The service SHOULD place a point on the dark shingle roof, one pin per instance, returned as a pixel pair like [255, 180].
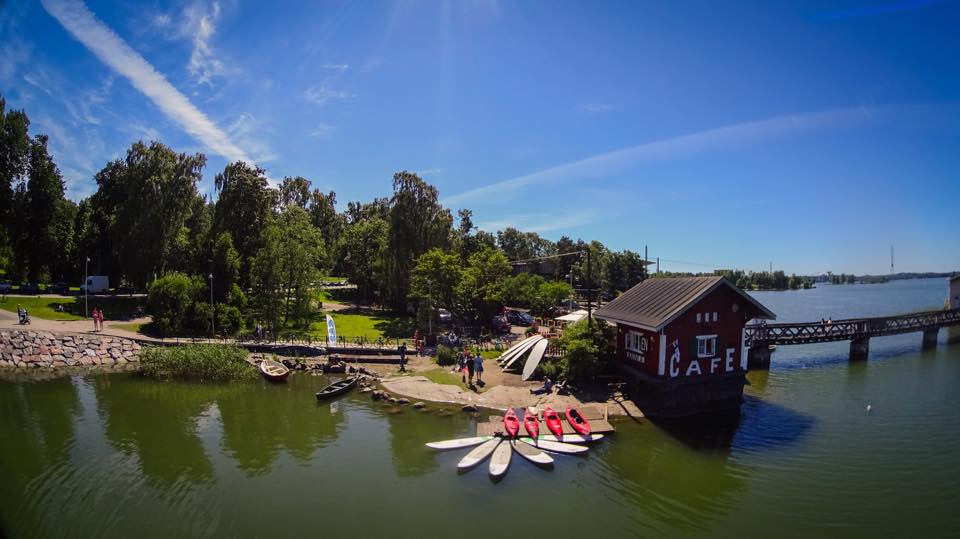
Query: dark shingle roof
[654, 303]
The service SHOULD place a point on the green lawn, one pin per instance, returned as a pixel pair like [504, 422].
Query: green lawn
[135, 328]
[369, 325]
[442, 375]
[114, 308]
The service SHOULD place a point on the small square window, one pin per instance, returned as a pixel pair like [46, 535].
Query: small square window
[714, 316]
[698, 318]
[706, 346]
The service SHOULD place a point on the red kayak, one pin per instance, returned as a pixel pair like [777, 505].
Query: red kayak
[511, 423]
[578, 422]
[531, 423]
[552, 419]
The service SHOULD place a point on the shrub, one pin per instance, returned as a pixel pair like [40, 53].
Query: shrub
[446, 355]
[168, 301]
[202, 362]
[589, 348]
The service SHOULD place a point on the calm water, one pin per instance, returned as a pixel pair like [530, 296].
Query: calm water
[113, 455]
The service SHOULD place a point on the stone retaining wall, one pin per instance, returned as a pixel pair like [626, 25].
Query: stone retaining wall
[24, 349]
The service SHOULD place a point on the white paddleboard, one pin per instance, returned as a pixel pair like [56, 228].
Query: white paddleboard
[518, 350]
[531, 453]
[534, 359]
[571, 438]
[530, 345]
[478, 454]
[501, 459]
[458, 443]
[557, 447]
[508, 353]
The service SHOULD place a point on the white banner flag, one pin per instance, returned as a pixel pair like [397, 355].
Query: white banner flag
[331, 332]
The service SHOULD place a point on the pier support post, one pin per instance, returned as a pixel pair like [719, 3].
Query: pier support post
[859, 348]
[930, 339]
[758, 357]
[953, 334]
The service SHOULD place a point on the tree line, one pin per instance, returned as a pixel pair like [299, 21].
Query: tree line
[259, 251]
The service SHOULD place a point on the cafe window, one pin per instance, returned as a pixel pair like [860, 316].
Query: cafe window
[635, 342]
[706, 346]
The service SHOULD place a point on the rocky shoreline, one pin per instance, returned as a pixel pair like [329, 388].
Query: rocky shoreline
[44, 349]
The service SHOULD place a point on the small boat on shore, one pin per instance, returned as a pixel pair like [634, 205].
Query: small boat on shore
[578, 422]
[274, 370]
[511, 424]
[552, 419]
[337, 388]
[531, 424]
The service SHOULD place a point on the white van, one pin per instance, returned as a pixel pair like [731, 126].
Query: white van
[95, 284]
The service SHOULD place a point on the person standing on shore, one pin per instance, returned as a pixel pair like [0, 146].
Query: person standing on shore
[469, 361]
[478, 367]
[100, 318]
[403, 357]
[93, 315]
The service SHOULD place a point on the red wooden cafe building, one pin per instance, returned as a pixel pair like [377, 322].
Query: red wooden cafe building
[681, 341]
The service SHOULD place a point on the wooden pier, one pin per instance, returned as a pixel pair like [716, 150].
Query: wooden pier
[598, 423]
[759, 337]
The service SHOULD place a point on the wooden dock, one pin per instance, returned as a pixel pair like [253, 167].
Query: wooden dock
[598, 423]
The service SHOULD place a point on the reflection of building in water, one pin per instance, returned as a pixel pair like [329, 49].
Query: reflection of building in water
[670, 484]
[260, 422]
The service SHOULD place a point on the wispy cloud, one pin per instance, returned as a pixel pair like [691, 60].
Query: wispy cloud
[201, 24]
[602, 165]
[112, 50]
[542, 223]
[322, 131]
[595, 108]
[336, 67]
[322, 95]
[248, 130]
[429, 172]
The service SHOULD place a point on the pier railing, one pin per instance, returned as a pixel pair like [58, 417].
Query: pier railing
[848, 329]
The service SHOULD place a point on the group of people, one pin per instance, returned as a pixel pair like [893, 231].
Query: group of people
[97, 315]
[470, 366]
[22, 316]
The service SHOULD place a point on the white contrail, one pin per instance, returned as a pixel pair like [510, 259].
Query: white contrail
[602, 165]
[113, 51]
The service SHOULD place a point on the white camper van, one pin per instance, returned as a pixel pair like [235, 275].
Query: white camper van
[95, 284]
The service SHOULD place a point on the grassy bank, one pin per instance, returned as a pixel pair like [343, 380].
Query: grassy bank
[114, 308]
[196, 362]
[444, 376]
[369, 325]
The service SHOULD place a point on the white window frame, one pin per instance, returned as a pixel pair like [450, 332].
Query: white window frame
[634, 341]
[714, 316]
[706, 346]
[698, 318]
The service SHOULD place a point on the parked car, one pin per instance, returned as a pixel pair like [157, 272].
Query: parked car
[499, 324]
[58, 288]
[5, 287]
[30, 289]
[519, 318]
[444, 315]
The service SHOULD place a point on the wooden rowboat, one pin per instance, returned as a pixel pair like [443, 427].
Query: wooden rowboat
[337, 388]
[274, 370]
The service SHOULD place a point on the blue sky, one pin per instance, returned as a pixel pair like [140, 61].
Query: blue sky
[812, 135]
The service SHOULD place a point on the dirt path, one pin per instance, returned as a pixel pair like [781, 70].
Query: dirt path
[502, 390]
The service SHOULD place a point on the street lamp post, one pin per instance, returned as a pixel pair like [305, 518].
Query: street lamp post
[86, 286]
[213, 312]
[430, 314]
